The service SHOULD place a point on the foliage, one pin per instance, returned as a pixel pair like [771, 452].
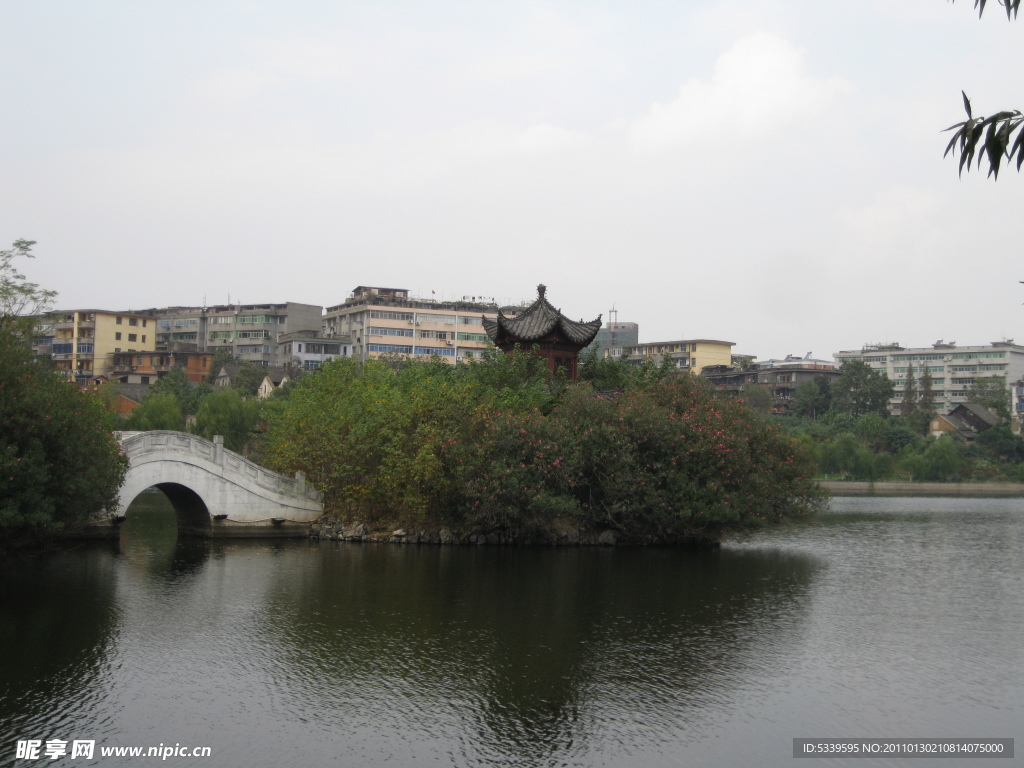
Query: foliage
[860, 390]
[756, 396]
[158, 410]
[909, 407]
[664, 459]
[189, 394]
[493, 444]
[225, 412]
[991, 135]
[221, 357]
[991, 392]
[607, 374]
[20, 300]
[869, 447]
[926, 400]
[813, 397]
[247, 378]
[59, 463]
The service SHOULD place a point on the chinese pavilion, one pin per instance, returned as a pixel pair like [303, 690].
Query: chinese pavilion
[544, 331]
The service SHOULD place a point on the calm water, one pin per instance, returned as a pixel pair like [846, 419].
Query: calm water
[883, 618]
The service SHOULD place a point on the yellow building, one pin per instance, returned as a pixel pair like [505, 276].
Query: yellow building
[85, 340]
[691, 355]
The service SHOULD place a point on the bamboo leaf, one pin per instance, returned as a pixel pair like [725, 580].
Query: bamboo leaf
[967, 102]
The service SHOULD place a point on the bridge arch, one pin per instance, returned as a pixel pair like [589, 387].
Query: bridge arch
[214, 491]
[193, 515]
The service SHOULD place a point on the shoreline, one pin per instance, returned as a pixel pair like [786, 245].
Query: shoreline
[908, 488]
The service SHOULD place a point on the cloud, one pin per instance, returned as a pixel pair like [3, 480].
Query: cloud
[276, 63]
[757, 86]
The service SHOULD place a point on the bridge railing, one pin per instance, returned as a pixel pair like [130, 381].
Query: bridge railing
[161, 441]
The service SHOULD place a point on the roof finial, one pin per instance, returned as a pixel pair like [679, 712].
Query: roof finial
[541, 289]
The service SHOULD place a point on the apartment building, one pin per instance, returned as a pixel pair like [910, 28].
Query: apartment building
[387, 321]
[310, 349]
[84, 341]
[146, 367]
[686, 354]
[249, 331]
[952, 368]
[780, 377]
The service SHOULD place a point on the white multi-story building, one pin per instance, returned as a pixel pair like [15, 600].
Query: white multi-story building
[953, 369]
[309, 350]
[383, 321]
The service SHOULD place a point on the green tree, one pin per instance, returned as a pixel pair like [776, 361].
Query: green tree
[221, 358]
[992, 393]
[59, 462]
[756, 396]
[188, 393]
[812, 397]
[909, 407]
[605, 374]
[158, 410]
[926, 400]
[860, 390]
[247, 378]
[20, 300]
[225, 412]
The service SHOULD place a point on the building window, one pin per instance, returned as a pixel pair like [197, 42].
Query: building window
[145, 379]
[143, 338]
[133, 337]
[133, 321]
[117, 336]
[117, 320]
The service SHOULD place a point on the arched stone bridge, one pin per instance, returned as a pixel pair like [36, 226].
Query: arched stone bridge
[215, 492]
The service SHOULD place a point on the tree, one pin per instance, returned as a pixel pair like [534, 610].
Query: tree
[221, 358]
[188, 393]
[158, 410]
[59, 462]
[926, 400]
[813, 397]
[992, 134]
[224, 412]
[20, 300]
[860, 389]
[756, 396]
[991, 392]
[247, 378]
[909, 393]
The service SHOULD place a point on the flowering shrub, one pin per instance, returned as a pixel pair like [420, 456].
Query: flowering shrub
[663, 460]
[438, 444]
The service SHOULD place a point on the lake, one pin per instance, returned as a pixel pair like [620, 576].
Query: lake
[886, 618]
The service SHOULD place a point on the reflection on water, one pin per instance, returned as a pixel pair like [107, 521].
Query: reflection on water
[882, 618]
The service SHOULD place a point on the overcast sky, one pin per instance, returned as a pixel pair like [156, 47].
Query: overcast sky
[767, 172]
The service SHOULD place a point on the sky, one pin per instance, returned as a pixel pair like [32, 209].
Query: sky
[768, 173]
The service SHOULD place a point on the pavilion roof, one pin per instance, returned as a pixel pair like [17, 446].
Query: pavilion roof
[537, 321]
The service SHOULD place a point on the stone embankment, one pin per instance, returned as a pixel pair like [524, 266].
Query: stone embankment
[563, 536]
